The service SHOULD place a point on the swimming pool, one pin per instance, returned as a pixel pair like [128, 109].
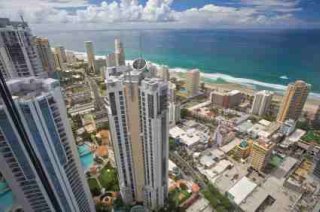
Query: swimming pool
[86, 157]
[6, 197]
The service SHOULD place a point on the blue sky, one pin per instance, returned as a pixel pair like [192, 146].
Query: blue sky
[167, 13]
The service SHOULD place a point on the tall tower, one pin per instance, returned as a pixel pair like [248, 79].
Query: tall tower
[90, 55]
[119, 53]
[60, 57]
[193, 82]
[45, 54]
[39, 159]
[293, 101]
[164, 73]
[261, 103]
[137, 111]
[260, 154]
[18, 55]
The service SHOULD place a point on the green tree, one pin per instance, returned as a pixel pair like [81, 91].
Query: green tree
[184, 113]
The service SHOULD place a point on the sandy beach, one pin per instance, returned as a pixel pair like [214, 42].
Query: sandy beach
[310, 106]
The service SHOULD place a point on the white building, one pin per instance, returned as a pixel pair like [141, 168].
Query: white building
[288, 127]
[261, 103]
[18, 54]
[241, 190]
[174, 113]
[38, 154]
[137, 111]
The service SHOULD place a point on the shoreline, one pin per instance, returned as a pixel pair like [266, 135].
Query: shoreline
[311, 104]
[247, 86]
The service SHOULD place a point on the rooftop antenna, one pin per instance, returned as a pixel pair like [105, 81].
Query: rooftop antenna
[22, 20]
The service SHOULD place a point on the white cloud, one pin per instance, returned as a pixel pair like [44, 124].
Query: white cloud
[252, 13]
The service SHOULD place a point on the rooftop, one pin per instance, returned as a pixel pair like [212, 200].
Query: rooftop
[241, 190]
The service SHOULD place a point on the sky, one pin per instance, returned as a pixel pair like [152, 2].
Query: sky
[102, 14]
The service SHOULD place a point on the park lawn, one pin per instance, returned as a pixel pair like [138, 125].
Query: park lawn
[312, 136]
[178, 196]
[93, 184]
[108, 178]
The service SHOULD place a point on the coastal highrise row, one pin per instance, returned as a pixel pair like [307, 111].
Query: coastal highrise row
[137, 110]
[293, 101]
[38, 155]
[18, 54]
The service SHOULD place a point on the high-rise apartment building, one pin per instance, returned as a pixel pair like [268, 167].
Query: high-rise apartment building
[39, 159]
[60, 57]
[111, 60]
[90, 55]
[193, 82]
[260, 154]
[45, 54]
[261, 102]
[163, 73]
[119, 53]
[293, 101]
[137, 111]
[18, 54]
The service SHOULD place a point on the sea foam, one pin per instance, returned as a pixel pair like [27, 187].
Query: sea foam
[216, 76]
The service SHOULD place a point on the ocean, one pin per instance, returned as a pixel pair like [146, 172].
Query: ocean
[263, 59]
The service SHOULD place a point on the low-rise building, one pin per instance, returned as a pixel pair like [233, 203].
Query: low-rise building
[243, 150]
[241, 190]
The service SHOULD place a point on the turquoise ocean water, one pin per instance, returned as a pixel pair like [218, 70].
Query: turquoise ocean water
[258, 58]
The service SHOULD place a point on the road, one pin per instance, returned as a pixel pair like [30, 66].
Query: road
[95, 89]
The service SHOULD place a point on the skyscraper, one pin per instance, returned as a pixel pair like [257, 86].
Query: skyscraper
[90, 55]
[60, 57]
[111, 60]
[193, 82]
[45, 54]
[164, 73]
[137, 111]
[39, 159]
[261, 102]
[119, 53]
[18, 55]
[293, 101]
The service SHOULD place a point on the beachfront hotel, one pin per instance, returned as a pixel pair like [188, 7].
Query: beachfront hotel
[137, 111]
[90, 56]
[193, 82]
[39, 158]
[18, 55]
[293, 101]
[45, 54]
[261, 103]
